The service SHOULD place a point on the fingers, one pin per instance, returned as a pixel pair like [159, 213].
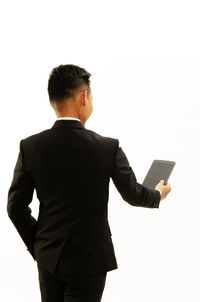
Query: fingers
[167, 184]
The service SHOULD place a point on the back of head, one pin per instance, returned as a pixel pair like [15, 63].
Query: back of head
[65, 81]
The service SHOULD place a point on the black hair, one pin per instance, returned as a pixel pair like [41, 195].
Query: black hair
[66, 80]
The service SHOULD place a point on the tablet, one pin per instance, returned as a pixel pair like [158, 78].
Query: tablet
[160, 169]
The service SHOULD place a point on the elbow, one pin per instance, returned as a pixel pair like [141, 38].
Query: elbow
[11, 212]
[130, 199]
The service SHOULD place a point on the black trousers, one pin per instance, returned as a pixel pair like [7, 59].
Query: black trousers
[70, 288]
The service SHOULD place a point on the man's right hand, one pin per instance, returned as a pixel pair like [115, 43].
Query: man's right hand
[165, 189]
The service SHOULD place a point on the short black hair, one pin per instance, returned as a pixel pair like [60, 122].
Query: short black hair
[66, 80]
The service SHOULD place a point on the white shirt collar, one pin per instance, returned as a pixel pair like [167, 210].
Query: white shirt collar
[67, 118]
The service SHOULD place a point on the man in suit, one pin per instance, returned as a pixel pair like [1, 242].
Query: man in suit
[70, 167]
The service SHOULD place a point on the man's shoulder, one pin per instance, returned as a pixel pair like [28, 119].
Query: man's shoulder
[100, 136]
[36, 136]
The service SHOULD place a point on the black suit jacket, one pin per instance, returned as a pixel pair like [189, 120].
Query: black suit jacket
[70, 167]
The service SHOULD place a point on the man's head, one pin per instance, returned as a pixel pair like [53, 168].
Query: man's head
[69, 92]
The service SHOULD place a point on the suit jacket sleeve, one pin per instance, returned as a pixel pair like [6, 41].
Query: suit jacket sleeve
[126, 183]
[20, 195]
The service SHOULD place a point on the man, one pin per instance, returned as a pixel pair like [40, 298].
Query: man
[70, 167]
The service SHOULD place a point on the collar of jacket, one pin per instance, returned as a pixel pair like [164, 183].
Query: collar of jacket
[67, 123]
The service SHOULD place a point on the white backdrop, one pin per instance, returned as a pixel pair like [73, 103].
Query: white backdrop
[145, 66]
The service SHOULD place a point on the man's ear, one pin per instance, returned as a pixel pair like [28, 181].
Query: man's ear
[83, 96]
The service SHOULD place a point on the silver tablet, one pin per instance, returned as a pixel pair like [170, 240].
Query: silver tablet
[160, 169]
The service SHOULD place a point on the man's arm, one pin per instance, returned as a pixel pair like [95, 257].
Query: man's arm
[126, 183]
[20, 195]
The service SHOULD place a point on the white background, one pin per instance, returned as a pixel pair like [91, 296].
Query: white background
[145, 66]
